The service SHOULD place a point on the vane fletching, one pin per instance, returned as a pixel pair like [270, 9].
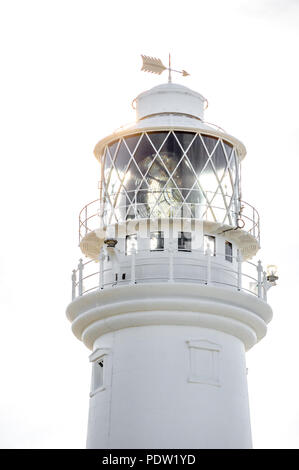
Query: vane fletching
[152, 64]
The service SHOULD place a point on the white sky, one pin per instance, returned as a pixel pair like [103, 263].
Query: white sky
[69, 71]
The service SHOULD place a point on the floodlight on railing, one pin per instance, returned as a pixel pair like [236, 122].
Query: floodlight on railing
[272, 273]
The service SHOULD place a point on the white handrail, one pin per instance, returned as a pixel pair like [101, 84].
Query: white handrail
[210, 267]
[91, 212]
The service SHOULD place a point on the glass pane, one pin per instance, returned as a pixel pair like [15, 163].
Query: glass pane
[209, 181]
[121, 159]
[184, 177]
[210, 242]
[172, 196]
[157, 205]
[197, 155]
[228, 148]
[227, 187]
[108, 165]
[185, 138]
[219, 160]
[132, 141]
[132, 179]
[145, 163]
[144, 154]
[184, 241]
[157, 138]
[171, 152]
[157, 241]
[112, 149]
[195, 195]
[157, 175]
[233, 162]
[210, 142]
[131, 243]
[114, 183]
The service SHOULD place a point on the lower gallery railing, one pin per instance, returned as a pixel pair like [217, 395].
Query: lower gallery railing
[169, 266]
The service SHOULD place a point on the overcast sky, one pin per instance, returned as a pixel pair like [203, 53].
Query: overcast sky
[69, 72]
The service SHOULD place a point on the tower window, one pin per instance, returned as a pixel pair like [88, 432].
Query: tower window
[98, 374]
[228, 251]
[157, 241]
[131, 243]
[210, 241]
[184, 241]
[101, 370]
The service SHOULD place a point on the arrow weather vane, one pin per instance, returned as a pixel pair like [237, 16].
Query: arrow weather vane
[154, 65]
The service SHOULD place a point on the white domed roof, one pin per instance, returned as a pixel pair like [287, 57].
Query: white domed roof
[170, 98]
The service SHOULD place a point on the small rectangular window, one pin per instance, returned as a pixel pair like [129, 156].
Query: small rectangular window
[131, 243]
[184, 241]
[228, 251]
[210, 241]
[101, 370]
[157, 241]
[98, 373]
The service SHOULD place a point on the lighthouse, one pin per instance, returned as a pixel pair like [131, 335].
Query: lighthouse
[167, 296]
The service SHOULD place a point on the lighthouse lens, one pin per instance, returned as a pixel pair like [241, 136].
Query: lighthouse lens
[171, 174]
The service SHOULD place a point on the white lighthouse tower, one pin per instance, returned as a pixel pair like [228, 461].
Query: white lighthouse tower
[167, 299]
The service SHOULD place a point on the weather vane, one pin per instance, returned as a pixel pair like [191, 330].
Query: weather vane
[154, 65]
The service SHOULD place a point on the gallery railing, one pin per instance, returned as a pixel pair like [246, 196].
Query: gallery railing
[170, 266]
[236, 214]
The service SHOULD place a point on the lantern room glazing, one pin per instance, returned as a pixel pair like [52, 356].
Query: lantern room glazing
[170, 174]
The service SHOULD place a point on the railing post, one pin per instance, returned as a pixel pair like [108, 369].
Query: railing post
[208, 255]
[133, 266]
[74, 284]
[135, 203]
[265, 286]
[239, 260]
[80, 270]
[85, 223]
[259, 278]
[170, 250]
[101, 270]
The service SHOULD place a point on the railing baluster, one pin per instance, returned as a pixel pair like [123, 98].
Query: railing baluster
[170, 274]
[208, 254]
[85, 223]
[265, 286]
[239, 260]
[259, 278]
[203, 262]
[101, 270]
[80, 270]
[74, 276]
[135, 208]
[133, 266]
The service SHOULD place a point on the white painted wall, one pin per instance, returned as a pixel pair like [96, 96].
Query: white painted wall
[149, 400]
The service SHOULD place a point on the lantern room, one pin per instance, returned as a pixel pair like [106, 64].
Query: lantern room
[170, 165]
[170, 173]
